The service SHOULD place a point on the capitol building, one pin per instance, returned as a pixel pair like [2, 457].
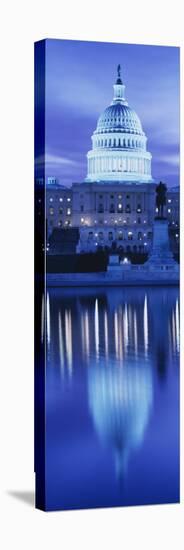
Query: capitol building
[115, 205]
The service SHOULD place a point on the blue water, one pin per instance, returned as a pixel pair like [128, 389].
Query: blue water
[112, 397]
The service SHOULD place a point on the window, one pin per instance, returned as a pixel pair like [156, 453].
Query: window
[60, 210]
[138, 220]
[120, 236]
[110, 236]
[119, 207]
[51, 199]
[112, 209]
[128, 209]
[68, 199]
[68, 211]
[51, 211]
[149, 234]
[82, 208]
[100, 208]
[60, 199]
[139, 236]
[130, 236]
[139, 209]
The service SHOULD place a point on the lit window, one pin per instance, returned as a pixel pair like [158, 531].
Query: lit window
[68, 199]
[169, 210]
[51, 211]
[61, 199]
[119, 206]
[169, 200]
[68, 211]
[51, 199]
[82, 220]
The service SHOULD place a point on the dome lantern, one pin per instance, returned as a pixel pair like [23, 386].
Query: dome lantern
[119, 88]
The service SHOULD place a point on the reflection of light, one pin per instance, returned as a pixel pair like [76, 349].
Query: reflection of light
[68, 332]
[61, 347]
[106, 333]
[145, 324]
[86, 332]
[135, 333]
[120, 335]
[173, 331]
[116, 332]
[177, 326]
[42, 318]
[96, 328]
[125, 261]
[125, 327]
[48, 319]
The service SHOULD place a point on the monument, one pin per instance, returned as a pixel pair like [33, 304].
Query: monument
[161, 257]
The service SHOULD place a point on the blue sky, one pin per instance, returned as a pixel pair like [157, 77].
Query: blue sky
[79, 86]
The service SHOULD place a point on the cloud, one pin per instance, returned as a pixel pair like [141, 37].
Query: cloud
[172, 159]
[55, 160]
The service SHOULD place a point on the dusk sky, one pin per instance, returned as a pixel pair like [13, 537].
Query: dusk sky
[79, 86]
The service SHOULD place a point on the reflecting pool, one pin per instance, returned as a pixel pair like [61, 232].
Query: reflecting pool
[112, 397]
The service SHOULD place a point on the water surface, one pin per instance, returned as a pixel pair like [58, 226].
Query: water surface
[112, 397]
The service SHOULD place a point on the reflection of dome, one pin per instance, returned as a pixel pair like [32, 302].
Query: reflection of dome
[120, 401]
[119, 143]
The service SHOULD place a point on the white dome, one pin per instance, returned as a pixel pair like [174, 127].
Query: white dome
[119, 144]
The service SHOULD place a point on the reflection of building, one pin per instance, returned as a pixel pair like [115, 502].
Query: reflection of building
[120, 400]
[115, 205]
[118, 340]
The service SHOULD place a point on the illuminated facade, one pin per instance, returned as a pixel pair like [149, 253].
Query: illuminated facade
[115, 205]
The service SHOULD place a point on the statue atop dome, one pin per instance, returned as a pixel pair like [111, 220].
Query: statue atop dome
[119, 70]
[119, 81]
